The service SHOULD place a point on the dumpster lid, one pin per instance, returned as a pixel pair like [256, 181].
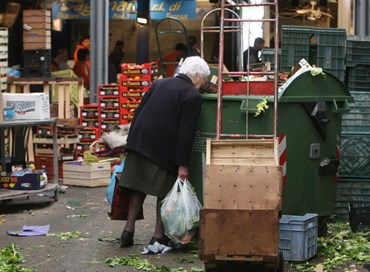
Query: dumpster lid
[308, 87]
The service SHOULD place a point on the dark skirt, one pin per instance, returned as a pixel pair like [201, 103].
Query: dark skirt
[143, 175]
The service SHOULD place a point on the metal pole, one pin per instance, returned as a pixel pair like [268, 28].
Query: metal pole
[220, 76]
[359, 17]
[99, 23]
[143, 33]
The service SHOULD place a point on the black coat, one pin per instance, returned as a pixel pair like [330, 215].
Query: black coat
[164, 124]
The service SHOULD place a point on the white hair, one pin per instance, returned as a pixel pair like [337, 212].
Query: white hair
[195, 65]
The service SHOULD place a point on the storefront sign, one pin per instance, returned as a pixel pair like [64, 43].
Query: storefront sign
[119, 9]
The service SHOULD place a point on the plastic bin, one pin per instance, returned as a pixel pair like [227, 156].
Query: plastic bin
[298, 236]
[309, 187]
[359, 216]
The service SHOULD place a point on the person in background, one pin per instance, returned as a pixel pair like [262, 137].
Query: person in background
[160, 141]
[172, 57]
[84, 44]
[81, 68]
[117, 55]
[64, 59]
[253, 53]
[56, 58]
[191, 50]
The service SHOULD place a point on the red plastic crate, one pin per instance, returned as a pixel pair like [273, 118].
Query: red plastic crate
[89, 110]
[89, 133]
[130, 102]
[109, 112]
[255, 88]
[135, 81]
[108, 90]
[136, 69]
[109, 101]
[108, 124]
[89, 122]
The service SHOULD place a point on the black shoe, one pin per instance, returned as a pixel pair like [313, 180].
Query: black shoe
[127, 239]
[163, 241]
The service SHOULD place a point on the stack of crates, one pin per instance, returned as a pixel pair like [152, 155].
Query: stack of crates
[3, 58]
[43, 139]
[354, 172]
[323, 47]
[37, 43]
[89, 119]
[109, 107]
[135, 80]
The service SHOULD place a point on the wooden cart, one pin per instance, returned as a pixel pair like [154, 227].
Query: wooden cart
[243, 180]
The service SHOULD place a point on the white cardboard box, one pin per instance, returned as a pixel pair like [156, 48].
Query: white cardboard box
[86, 174]
[28, 106]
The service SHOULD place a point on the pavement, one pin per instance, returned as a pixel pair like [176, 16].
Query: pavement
[85, 210]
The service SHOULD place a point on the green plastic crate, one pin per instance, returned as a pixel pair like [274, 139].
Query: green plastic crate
[358, 50]
[358, 78]
[355, 156]
[358, 118]
[350, 191]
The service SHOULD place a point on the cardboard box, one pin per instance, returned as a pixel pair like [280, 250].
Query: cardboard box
[32, 106]
[86, 174]
[30, 181]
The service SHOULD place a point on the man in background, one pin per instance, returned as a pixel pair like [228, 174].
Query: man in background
[251, 55]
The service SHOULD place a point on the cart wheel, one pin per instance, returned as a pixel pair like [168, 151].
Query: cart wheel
[281, 263]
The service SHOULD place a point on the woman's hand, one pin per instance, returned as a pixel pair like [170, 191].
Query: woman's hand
[183, 172]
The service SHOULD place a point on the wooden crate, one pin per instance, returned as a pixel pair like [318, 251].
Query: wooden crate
[36, 16]
[86, 174]
[242, 202]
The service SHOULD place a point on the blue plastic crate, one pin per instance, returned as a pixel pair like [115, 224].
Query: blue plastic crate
[298, 236]
[358, 50]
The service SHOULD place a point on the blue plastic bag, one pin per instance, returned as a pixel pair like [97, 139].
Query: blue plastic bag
[110, 189]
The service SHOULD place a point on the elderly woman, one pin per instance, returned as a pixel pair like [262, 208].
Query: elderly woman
[160, 141]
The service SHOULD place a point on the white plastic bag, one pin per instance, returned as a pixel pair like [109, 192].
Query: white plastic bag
[180, 212]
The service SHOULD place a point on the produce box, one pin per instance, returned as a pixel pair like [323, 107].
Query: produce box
[86, 174]
[29, 181]
[28, 106]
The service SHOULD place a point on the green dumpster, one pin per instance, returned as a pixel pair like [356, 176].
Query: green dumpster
[309, 116]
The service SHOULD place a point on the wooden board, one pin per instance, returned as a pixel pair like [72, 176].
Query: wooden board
[242, 152]
[37, 33]
[242, 187]
[36, 39]
[237, 235]
[96, 182]
[39, 25]
[36, 46]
